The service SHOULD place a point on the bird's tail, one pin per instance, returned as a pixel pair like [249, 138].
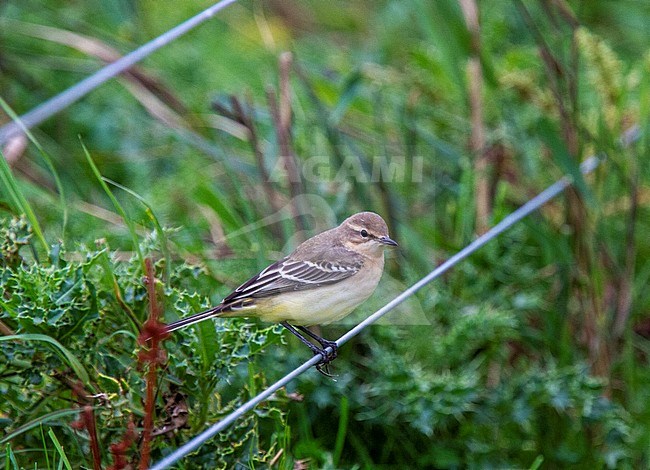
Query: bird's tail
[192, 319]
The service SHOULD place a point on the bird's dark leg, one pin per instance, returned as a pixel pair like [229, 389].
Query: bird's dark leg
[327, 358]
[304, 340]
[325, 343]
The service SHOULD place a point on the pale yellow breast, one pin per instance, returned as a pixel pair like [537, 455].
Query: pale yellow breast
[322, 305]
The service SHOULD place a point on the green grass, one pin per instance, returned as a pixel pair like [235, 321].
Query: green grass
[513, 359]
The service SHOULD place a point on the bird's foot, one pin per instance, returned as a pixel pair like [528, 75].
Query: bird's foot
[324, 368]
[325, 343]
[327, 351]
[327, 356]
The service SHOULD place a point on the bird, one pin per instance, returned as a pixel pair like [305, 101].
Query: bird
[323, 280]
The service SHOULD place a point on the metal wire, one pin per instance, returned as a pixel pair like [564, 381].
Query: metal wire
[74, 93]
[535, 203]
[61, 101]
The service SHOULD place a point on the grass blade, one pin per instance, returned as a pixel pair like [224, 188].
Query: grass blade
[46, 158]
[45, 451]
[20, 203]
[10, 458]
[64, 353]
[59, 448]
[39, 422]
[159, 230]
[537, 462]
[342, 430]
[118, 207]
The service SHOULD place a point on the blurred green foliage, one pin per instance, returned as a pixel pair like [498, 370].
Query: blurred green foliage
[494, 366]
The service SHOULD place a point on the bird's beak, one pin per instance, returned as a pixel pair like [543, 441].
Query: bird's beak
[387, 241]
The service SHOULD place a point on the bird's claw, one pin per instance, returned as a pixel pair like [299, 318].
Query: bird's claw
[324, 368]
[327, 357]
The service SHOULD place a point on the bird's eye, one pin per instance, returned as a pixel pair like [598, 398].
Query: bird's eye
[364, 233]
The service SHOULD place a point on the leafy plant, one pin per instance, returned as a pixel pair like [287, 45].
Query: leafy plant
[531, 354]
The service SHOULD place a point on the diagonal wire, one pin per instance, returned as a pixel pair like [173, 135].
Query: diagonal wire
[64, 99]
[74, 93]
[532, 205]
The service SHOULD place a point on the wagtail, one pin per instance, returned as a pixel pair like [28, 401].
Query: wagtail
[322, 281]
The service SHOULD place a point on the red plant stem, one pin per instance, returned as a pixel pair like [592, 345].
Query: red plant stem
[154, 357]
[148, 417]
[86, 419]
[89, 421]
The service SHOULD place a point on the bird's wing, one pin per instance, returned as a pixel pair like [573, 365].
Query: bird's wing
[288, 275]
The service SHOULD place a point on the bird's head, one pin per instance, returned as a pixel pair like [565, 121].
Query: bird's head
[366, 233]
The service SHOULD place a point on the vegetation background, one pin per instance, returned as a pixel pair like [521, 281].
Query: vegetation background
[276, 120]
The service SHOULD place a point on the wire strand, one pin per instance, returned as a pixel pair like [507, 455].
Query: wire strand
[61, 101]
[535, 203]
[64, 99]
